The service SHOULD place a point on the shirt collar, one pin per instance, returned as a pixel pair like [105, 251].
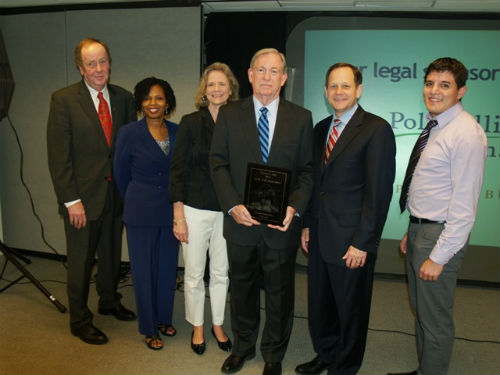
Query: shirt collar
[444, 118]
[272, 107]
[346, 117]
[94, 92]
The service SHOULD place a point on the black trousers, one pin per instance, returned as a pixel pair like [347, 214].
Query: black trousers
[277, 267]
[104, 236]
[339, 311]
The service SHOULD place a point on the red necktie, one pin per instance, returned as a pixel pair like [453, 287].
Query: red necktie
[105, 117]
[332, 139]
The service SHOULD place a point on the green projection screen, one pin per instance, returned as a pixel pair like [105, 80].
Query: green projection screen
[392, 62]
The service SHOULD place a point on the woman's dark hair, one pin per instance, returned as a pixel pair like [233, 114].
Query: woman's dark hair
[143, 87]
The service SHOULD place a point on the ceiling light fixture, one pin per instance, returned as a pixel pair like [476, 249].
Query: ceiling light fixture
[393, 4]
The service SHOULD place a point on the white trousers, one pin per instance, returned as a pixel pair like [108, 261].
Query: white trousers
[204, 233]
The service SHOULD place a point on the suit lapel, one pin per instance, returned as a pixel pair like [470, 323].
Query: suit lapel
[206, 121]
[115, 111]
[249, 127]
[323, 128]
[88, 104]
[352, 128]
[88, 107]
[151, 145]
[283, 120]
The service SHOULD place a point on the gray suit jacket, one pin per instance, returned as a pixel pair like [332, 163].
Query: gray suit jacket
[235, 144]
[79, 158]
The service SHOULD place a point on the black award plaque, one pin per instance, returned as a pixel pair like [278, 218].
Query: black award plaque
[266, 193]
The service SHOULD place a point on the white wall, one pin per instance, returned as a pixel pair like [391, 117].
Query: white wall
[164, 42]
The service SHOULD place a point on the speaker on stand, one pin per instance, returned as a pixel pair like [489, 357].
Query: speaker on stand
[6, 92]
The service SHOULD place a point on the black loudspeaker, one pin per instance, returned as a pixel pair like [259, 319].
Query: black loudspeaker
[6, 81]
[6, 92]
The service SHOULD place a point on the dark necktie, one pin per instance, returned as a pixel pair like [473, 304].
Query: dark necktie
[105, 117]
[415, 156]
[332, 139]
[263, 127]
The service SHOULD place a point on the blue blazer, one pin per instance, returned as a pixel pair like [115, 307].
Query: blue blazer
[141, 172]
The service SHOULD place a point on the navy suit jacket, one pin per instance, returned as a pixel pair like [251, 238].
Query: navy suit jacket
[352, 192]
[235, 143]
[141, 172]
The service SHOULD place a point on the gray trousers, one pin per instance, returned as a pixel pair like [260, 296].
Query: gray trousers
[432, 301]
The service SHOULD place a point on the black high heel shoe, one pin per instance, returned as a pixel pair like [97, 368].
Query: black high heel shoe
[197, 348]
[226, 346]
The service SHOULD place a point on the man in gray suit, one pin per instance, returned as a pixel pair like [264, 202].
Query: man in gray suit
[80, 148]
[253, 246]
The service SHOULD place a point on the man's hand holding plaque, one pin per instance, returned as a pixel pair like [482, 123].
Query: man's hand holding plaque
[241, 215]
[290, 213]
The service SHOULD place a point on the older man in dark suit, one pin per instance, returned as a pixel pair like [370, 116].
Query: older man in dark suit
[253, 246]
[354, 167]
[82, 124]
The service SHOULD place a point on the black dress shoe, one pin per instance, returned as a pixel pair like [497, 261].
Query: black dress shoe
[234, 363]
[223, 345]
[119, 312]
[314, 367]
[90, 334]
[272, 368]
[197, 348]
[403, 373]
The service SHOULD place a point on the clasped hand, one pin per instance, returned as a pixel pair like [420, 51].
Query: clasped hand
[242, 216]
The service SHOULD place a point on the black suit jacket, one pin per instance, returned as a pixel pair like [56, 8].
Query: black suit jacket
[352, 192]
[79, 158]
[235, 144]
[190, 180]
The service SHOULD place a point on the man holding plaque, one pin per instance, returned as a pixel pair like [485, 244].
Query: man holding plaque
[354, 167]
[266, 139]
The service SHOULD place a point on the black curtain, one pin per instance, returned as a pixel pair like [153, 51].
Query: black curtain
[233, 38]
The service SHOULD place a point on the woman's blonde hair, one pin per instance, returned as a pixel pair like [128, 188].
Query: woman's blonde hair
[200, 100]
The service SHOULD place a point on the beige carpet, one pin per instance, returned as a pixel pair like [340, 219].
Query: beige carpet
[35, 337]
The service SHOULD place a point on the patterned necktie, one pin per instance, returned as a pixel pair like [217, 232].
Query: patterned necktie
[263, 127]
[105, 117]
[415, 156]
[332, 139]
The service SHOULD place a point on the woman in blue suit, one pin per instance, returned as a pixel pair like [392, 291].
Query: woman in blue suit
[141, 172]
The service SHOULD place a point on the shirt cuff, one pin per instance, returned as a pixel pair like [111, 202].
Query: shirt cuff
[67, 204]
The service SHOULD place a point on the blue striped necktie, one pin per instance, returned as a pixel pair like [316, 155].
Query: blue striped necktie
[263, 127]
[415, 156]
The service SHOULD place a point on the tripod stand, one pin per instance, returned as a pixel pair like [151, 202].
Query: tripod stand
[10, 257]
